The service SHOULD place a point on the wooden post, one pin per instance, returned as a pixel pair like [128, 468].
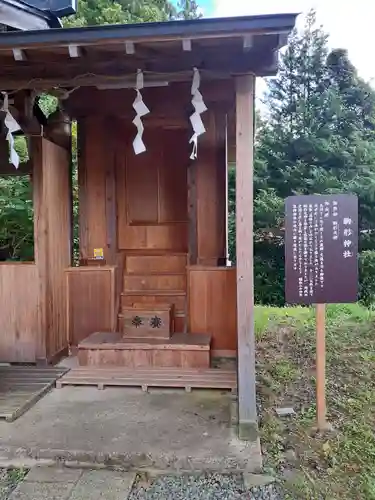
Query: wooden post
[321, 411]
[52, 225]
[245, 87]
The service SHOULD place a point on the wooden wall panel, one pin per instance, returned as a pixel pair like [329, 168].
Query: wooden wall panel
[173, 176]
[212, 305]
[94, 155]
[152, 191]
[52, 204]
[91, 301]
[141, 183]
[210, 195]
[171, 104]
[19, 315]
[170, 238]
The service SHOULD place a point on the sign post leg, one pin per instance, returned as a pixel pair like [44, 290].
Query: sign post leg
[321, 409]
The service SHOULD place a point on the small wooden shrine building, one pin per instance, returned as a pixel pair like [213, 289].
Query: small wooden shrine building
[153, 287]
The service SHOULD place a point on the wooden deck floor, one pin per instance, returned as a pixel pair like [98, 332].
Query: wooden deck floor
[145, 378]
[22, 386]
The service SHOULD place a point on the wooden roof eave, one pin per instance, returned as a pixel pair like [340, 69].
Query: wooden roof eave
[151, 32]
[94, 56]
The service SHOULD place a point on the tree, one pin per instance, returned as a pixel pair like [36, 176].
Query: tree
[188, 9]
[93, 12]
[318, 137]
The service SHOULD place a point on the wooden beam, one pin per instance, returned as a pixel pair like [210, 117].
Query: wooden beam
[74, 51]
[247, 412]
[52, 241]
[19, 55]
[129, 48]
[110, 197]
[222, 181]
[23, 169]
[192, 213]
[82, 188]
[186, 45]
[86, 72]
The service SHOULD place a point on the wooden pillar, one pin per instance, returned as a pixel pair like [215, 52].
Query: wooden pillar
[222, 184]
[52, 235]
[82, 187]
[192, 213]
[245, 88]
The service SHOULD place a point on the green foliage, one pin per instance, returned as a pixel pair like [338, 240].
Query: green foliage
[367, 277]
[16, 219]
[94, 12]
[188, 9]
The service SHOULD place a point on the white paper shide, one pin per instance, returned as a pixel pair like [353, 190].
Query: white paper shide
[199, 108]
[141, 110]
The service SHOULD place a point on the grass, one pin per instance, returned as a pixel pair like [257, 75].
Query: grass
[335, 465]
[9, 479]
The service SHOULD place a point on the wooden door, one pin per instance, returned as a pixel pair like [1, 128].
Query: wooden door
[152, 193]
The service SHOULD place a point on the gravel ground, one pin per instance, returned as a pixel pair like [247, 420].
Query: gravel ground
[9, 480]
[202, 487]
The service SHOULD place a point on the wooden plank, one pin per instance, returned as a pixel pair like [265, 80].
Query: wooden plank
[136, 264]
[193, 212]
[110, 200]
[155, 282]
[21, 388]
[114, 340]
[172, 175]
[178, 373]
[91, 301]
[212, 305]
[94, 156]
[245, 90]
[52, 241]
[19, 312]
[210, 192]
[152, 213]
[222, 181]
[151, 377]
[142, 188]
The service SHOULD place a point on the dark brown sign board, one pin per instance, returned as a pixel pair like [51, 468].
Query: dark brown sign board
[321, 249]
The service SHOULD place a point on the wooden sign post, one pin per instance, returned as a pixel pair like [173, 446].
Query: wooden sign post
[321, 407]
[321, 250]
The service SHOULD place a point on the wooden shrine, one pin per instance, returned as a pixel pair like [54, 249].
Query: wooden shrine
[153, 287]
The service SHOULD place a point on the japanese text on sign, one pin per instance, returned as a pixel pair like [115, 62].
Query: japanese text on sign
[321, 248]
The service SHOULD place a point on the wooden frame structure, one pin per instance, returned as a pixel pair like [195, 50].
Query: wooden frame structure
[159, 219]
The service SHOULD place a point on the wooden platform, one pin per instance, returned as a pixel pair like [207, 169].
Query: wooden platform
[187, 379]
[22, 386]
[180, 351]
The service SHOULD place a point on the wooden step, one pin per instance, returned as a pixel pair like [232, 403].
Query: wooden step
[155, 282]
[155, 264]
[176, 298]
[101, 377]
[180, 351]
[147, 321]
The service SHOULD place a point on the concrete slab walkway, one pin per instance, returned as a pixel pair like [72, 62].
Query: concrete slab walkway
[161, 430]
[51, 483]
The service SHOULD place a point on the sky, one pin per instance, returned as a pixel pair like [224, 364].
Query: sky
[350, 24]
